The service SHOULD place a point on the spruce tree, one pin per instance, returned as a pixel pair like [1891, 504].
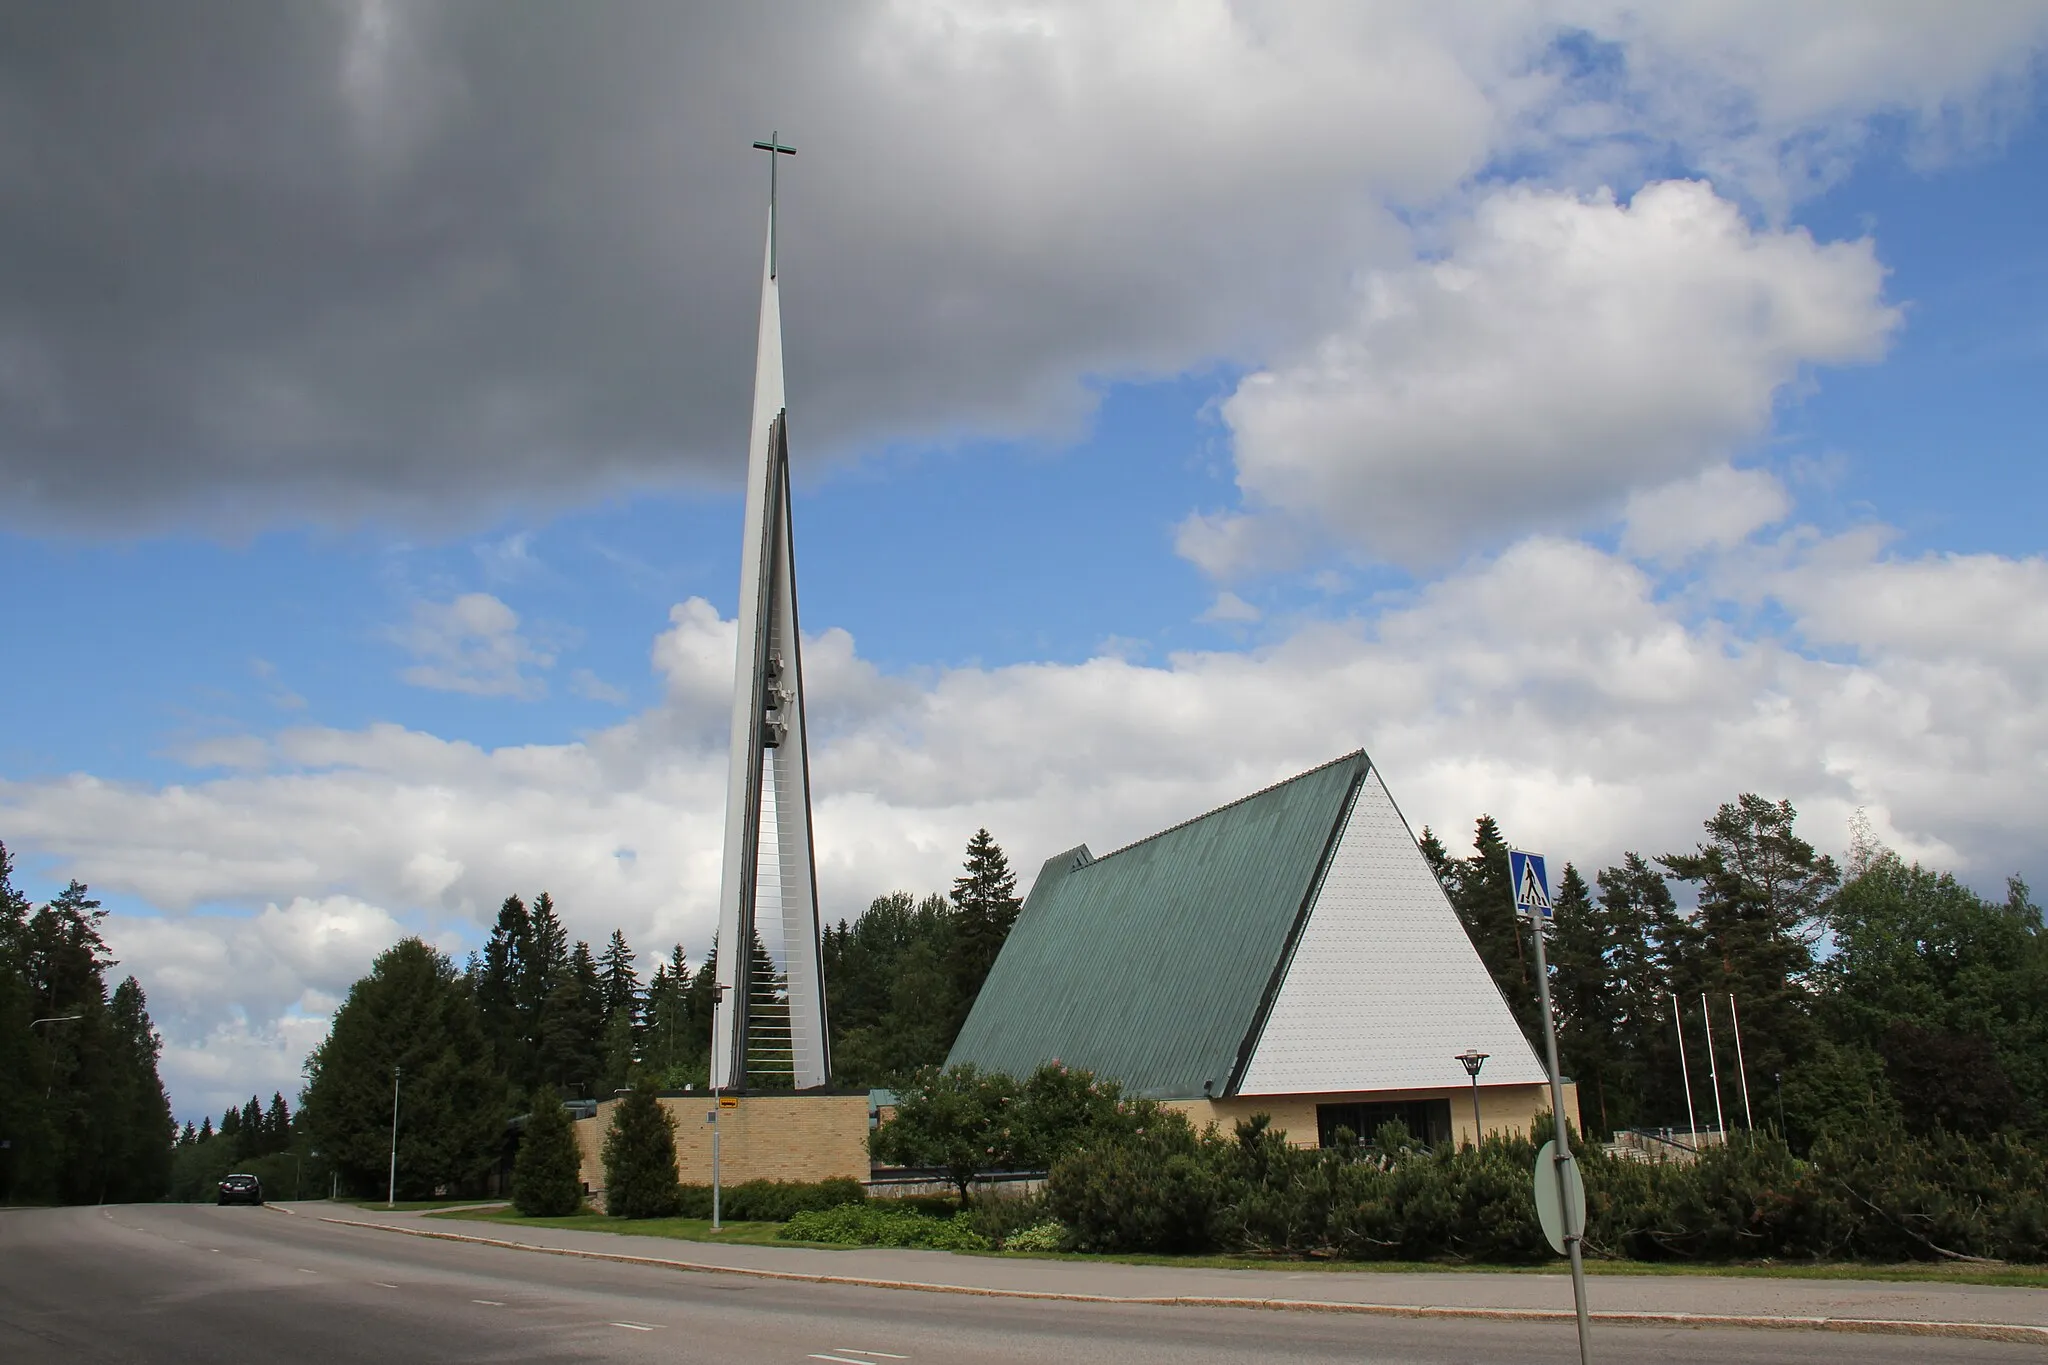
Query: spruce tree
[985, 906]
[620, 983]
[640, 1158]
[547, 1175]
[412, 1012]
[1483, 899]
[1582, 996]
[498, 983]
[255, 1142]
[1645, 934]
[572, 1027]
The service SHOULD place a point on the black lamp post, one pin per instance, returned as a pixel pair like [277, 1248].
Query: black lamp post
[1473, 1060]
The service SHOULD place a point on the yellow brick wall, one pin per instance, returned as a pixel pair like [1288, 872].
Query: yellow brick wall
[1502, 1108]
[763, 1137]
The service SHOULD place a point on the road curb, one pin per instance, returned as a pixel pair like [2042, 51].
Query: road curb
[1981, 1331]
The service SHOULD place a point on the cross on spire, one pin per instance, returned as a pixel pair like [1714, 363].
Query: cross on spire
[773, 146]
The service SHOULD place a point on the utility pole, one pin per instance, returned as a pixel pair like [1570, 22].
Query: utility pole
[391, 1193]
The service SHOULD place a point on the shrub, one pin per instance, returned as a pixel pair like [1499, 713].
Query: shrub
[875, 1225]
[998, 1217]
[547, 1175]
[640, 1158]
[770, 1201]
[1157, 1190]
[1051, 1235]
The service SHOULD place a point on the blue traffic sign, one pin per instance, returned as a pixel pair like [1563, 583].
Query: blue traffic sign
[1531, 883]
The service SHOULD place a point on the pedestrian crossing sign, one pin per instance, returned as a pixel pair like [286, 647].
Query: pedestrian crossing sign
[1531, 883]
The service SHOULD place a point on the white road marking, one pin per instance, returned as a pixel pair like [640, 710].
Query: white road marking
[844, 1360]
[857, 1351]
[489, 1303]
[213, 1249]
[636, 1326]
[381, 1285]
[304, 1271]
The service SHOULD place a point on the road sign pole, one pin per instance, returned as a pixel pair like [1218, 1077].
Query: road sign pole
[1572, 1235]
[716, 1097]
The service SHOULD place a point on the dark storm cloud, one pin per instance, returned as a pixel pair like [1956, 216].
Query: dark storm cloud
[306, 261]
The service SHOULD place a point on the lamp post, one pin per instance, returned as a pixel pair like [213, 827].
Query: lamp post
[391, 1191]
[51, 1088]
[1473, 1059]
[717, 998]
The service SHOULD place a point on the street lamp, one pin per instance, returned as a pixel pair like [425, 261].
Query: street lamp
[718, 991]
[391, 1192]
[1473, 1059]
[51, 1088]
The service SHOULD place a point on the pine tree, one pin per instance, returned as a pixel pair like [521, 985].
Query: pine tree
[1762, 891]
[205, 1127]
[985, 906]
[547, 1175]
[640, 1158]
[1645, 934]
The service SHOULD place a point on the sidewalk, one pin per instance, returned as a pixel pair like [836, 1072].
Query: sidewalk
[1989, 1311]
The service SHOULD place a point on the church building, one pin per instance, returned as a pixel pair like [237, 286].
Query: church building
[1289, 954]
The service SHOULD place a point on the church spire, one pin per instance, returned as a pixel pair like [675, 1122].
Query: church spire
[769, 881]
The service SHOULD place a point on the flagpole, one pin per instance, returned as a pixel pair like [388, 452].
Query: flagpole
[1740, 1068]
[1692, 1123]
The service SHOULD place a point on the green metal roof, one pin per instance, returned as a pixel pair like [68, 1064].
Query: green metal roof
[1153, 965]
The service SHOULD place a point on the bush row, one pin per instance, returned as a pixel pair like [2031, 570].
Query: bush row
[878, 1225]
[1875, 1194]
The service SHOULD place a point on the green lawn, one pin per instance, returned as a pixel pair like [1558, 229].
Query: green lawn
[418, 1204]
[763, 1234]
[2033, 1277]
[683, 1229]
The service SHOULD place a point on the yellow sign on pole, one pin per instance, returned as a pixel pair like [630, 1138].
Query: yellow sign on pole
[728, 1102]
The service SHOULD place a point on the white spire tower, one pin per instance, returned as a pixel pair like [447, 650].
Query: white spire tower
[770, 877]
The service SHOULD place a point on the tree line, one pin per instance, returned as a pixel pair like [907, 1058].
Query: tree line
[460, 1051]
[1893, 991]
[83, 1115]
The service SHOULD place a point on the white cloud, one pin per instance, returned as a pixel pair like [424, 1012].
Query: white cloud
[1566, 351]
[241, 999]
[1230, 609]
[1553, 686]
[472, 644]
[1716, 508]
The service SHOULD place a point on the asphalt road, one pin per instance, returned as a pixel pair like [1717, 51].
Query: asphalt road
[151, 1283]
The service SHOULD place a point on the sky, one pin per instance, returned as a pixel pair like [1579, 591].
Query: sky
[1593, 411]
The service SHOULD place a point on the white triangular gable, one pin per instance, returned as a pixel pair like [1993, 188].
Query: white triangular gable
[1384, 989]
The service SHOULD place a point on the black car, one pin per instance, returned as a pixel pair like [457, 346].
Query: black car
[241, 1189]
